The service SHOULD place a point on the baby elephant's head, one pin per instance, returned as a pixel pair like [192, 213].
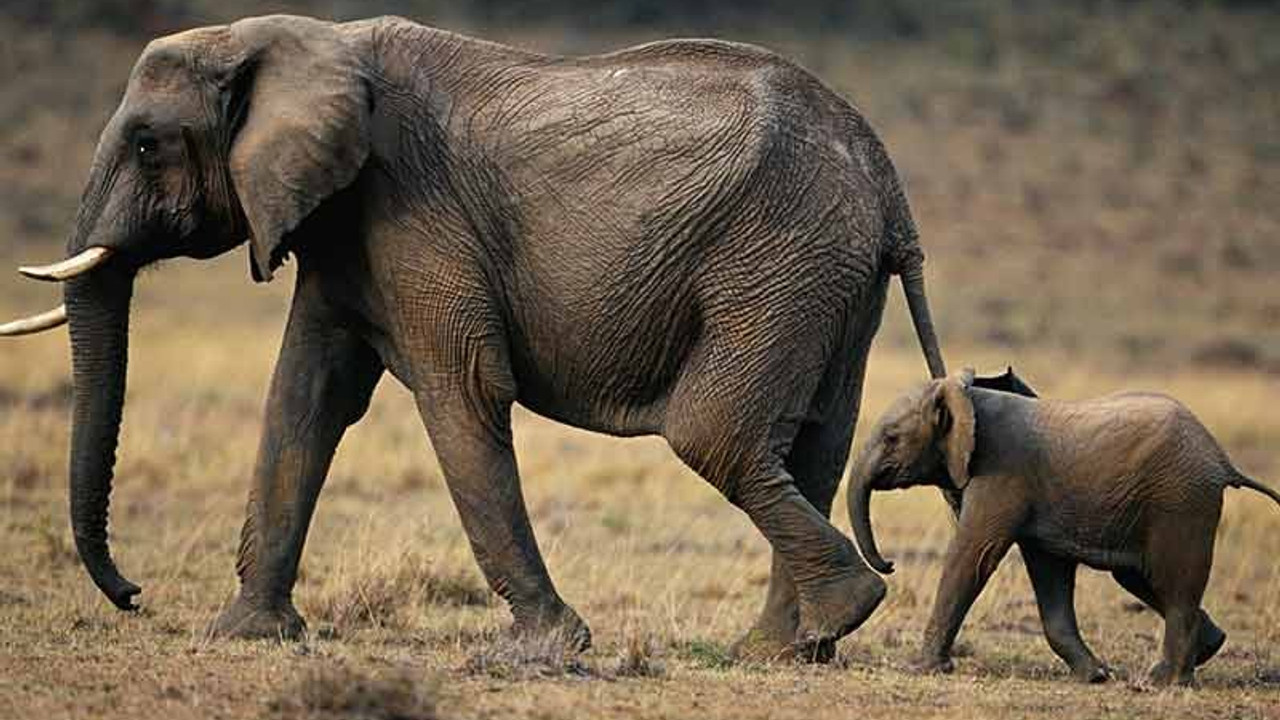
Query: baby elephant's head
[924, 438]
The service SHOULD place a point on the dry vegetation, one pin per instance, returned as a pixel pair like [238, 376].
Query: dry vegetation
[1097, 196]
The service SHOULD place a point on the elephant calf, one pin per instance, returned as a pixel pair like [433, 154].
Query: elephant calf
[1130, 482]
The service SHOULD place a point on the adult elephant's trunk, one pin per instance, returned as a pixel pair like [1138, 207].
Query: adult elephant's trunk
[98, 314]
[913, 286]
[859, 500]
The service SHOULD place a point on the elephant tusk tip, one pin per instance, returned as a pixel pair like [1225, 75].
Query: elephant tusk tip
[36, 323]
[35, 273]
[69, 268]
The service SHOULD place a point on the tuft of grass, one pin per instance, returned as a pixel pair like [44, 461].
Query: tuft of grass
[386, 596]
[706, 654]
[638, 658]
[526, 657]
[457, 589]
[337, 692]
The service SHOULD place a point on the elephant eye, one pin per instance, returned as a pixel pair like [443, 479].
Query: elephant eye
[146, 146]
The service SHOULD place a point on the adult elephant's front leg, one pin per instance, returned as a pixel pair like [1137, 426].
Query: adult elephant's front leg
[470, 429]
[322, 384]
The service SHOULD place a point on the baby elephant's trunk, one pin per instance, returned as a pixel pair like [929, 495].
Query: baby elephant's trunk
[859, 499]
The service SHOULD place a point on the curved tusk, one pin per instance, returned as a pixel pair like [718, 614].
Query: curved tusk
[35, 323]
[69, 268]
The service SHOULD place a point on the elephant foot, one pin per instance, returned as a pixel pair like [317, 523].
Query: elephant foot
[558, 627]
[832, 610]
[1090, 673]
[1210, 641]
[1162, 674]
[760, 645]
[933, 665]
[246, 620]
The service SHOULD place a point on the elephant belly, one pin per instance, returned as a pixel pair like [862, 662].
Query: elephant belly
[612, 376]
[1098, 558]
[1093, 540]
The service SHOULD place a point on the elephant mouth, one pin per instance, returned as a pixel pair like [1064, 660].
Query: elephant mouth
[887, 478]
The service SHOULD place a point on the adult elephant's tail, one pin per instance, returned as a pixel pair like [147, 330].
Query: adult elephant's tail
[907, 260]
[913, 286]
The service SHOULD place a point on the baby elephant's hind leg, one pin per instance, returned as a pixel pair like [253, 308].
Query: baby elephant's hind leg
[1054, 580]
[1209, 639]
[1179, 588]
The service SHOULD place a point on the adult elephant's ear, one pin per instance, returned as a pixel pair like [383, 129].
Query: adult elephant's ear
[302, 110]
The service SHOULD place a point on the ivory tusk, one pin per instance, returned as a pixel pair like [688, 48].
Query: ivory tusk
[69, 268]
[35, 323]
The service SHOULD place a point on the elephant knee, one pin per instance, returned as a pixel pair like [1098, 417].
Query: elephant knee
[715, 460]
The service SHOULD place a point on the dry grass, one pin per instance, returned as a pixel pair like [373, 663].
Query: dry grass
[389, 592]
[1067, 234]
[663, 569]
[337, 692]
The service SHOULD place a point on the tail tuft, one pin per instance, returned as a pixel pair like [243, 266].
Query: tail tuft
[1247, 482]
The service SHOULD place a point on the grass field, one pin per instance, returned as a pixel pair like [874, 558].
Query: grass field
[1102, 224]
[665, 571]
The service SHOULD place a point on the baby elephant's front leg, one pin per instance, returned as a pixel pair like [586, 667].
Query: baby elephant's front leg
[1054, 580]
[989, 518]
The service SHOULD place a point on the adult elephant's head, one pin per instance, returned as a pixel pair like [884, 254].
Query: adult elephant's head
[224, 134]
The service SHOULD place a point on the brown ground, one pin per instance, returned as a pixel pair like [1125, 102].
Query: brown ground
[1104, 218]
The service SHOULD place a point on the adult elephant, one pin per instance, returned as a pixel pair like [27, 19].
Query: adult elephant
[686, 238]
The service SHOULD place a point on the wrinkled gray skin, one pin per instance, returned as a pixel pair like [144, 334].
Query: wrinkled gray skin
[1130, 483]
[688, 238]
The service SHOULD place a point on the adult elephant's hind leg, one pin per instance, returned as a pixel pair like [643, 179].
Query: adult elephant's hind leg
[835, 591]
[471, 432]
[737, 436]
[816, 463]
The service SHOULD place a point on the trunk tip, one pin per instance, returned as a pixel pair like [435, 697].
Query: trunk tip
[104, 574]
[122, 595]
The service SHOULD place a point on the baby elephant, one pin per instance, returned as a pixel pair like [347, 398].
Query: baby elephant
[1131, 483]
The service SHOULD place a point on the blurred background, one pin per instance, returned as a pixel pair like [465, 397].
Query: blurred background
[1101, 178]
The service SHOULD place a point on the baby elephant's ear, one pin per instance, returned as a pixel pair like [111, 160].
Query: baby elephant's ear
[955, 428]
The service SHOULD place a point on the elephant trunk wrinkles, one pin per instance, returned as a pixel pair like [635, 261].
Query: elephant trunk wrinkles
[98, 315]
[859, 499]
[913, 287]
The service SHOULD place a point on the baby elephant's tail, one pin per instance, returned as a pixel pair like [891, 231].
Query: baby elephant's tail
[1245, 482]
